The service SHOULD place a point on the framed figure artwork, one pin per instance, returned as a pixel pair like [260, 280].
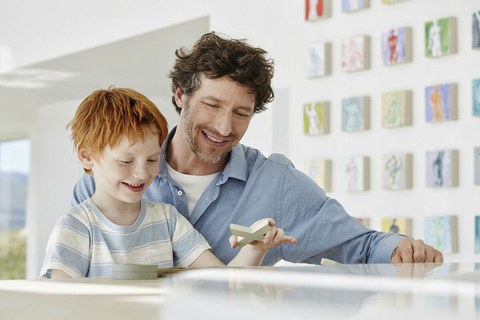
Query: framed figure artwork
[317, 9]
[441, 233]
[442, 168]
[476, 97]
[476, 30]
[397, 46]
[356, 173]
[354, 5]
[316, 118]
[441, 102]
[397, 171]
[440, 37]
[355, 53]
[476, 166]
[397, 225]
[318, 60]
[355, 114]
[396, 109]
[477, 234]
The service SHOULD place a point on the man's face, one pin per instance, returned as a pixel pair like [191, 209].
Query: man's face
[215, 118]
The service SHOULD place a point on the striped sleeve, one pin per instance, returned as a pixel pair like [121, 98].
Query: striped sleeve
[68, 249]
[187, 243]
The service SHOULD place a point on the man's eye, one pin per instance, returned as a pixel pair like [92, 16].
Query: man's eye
[153, 160]
[214, 106]
[242, 114]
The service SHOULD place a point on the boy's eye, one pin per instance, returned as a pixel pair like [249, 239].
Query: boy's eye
[153, 160]
[126, 161]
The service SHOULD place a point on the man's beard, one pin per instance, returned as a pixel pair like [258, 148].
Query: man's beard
[194, 145]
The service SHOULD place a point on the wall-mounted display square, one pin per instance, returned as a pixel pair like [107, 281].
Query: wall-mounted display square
[476, 30]
[317, 9]
[476, 97]
[397, 46]
[355, 173]
[442, 168]
[318, 60]
[320, 171]
[477, 234]
[441, 233]
[441, 102]
[397, 225]
[476, 166]
[396, 109]
[397, 171]
[355, 113]
[316, 118]
[440, 37]
[354, 5]
[355, 53]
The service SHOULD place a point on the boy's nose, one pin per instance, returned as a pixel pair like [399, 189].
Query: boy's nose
[140, 171]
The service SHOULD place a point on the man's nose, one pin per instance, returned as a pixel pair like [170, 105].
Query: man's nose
[223, 123]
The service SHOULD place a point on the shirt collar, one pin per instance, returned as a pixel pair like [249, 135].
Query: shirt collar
[236, 167]
[163, 155]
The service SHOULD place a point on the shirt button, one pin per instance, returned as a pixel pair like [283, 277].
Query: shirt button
[179, 192]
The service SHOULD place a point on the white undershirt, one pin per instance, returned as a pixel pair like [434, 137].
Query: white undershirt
[193, 186]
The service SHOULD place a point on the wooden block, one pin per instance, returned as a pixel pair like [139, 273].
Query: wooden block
[134, 271]
[246, 235]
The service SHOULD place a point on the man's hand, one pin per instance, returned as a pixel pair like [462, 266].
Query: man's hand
[273, 238]
[415, 251]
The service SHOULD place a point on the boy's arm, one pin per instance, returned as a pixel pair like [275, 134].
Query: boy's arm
[58, 275]
[247, 256]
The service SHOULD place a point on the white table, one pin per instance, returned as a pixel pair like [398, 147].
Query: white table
[449, 291]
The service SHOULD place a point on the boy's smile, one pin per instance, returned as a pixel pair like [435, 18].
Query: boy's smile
[123, 173]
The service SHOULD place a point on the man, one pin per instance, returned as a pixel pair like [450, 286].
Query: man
[214, 181]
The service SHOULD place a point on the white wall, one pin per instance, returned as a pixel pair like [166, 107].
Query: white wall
[53, 28]
[462, 134]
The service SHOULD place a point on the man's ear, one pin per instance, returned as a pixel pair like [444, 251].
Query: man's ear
[85, 158]
[179, 97]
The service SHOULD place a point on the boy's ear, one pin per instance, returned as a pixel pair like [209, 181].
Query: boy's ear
[179, 96]
[85, 158]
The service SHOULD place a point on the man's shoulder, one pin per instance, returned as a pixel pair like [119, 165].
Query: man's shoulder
[253, 154]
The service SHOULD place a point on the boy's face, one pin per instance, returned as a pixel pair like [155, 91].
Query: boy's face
[123, 173]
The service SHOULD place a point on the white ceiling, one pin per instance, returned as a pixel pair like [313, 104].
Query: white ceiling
[140, 62]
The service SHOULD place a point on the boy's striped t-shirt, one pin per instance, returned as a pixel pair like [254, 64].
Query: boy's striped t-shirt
[84, 243]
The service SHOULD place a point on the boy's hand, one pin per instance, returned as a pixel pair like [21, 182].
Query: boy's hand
[273, 238]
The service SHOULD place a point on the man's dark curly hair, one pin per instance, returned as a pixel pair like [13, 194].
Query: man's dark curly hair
[218, 57]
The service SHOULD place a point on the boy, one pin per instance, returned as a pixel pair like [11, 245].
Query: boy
[118, 135]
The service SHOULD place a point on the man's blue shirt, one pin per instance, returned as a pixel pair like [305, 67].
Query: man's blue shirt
[252, 187]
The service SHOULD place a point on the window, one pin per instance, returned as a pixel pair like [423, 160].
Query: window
[14, 171]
